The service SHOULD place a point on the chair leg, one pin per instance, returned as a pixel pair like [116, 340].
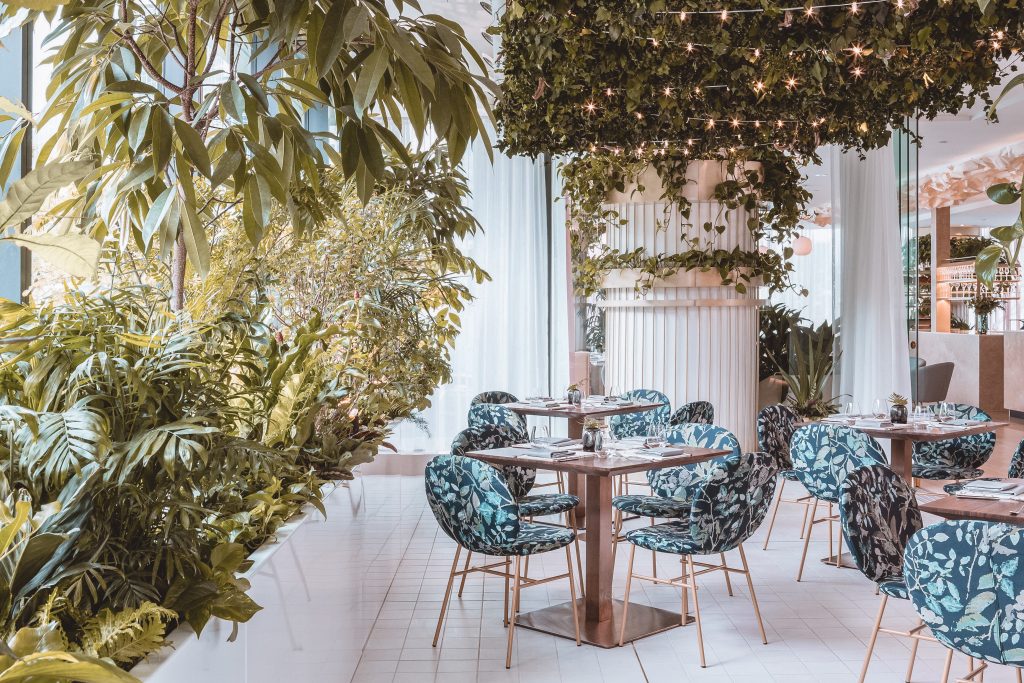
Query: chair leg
[1018, 675]
[572, 594]
[576, 542]
[753, 596]
[949, 664]
[625, 599]
[686, 596]
[728, 581]
[462, 583]
[696, 609]
[874, 637]
[508, 574]
[830, 530]
[803, 524]
[654, 558]
[775, 511]
[512, 621]
[447, 594]
[616, 532]
[839, 548]
[807, 540]
[913, 654]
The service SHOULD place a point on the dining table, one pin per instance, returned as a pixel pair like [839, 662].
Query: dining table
[601, 612]
[1008, 511]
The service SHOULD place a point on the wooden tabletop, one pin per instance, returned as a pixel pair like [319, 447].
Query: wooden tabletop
[922, 433]
[594, 410]
[591, 464]
[985, 510]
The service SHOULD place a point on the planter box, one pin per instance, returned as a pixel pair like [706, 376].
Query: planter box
[177, 661]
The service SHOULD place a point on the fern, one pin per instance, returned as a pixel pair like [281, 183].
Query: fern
[128, 635]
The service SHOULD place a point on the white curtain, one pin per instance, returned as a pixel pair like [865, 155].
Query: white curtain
[511, 332]
[872, 308]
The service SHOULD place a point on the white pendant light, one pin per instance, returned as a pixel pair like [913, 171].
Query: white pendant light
[802, 245]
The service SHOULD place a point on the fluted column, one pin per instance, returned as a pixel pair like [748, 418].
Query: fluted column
[689, 337]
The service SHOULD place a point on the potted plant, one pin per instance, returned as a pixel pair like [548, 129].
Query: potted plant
[592, 439]
[810, 372]
[776, 326]
[1008, 238]
[573, 395]
[898, 411]
[983, 305]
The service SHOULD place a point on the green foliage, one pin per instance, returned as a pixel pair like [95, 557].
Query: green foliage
[812, 364]
[776, 326]
[1008, 238]
[163, 97]
[127, 636]
[983, 304]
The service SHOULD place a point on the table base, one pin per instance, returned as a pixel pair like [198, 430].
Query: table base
[831, 561]
[643, 621]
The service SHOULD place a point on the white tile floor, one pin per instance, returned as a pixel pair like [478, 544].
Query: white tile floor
[355, 598]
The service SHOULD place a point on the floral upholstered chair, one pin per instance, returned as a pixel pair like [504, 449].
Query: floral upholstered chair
[641, 424]
[879, 514]
[474, 507]
[673, 488]
[823, 454]
[520, 481]
[965, 581]
[727, 506]
[494, 397]
[775, 427]
[700, 412]
[1017, 462]
[958, 458]
[498, 415]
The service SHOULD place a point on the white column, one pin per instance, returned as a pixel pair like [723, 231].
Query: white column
[689, 337]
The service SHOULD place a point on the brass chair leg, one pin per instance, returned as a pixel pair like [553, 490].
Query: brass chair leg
[616, 532]
[654, 558]
[447, 594]
[1018, 676]
[830, 530]
[696, 609]
[874, 637]
[839, 548]
[572, 595]
[803, 524]
[753, 596]
[728, 581]
[462, 582]
[625, 600]
[913, 654]
[576, 541]
[508, 574]
[949, 664]
[686, 595]
[775, 511]
[807, 540]
[512, 621]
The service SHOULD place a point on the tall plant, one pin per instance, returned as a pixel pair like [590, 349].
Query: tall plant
[1008, 238]
[168, 98]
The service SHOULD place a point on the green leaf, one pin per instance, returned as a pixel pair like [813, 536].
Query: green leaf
[160, 136]
[196, 244]
[73, 253]
[11, 149]
[1003, 193]
[369, 78]
[986, 264]
[332, 37]
[17, 108]
[256, 89]
[1007, 233]
[28, 194]
[158, 211]
[40, 5]
[195, 148]
[233, 100]
[62, 666]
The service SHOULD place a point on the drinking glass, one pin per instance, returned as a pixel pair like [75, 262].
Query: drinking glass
[851, 410]
[609, 392]
[540, 431]
[879, 411]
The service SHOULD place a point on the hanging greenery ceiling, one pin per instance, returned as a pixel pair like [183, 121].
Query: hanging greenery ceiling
[622, 84]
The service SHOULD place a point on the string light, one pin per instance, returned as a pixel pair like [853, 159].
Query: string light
[667, 91]
[759, 86]
[725, 15]
[791, 82]
[590, 106]
[759, 10]
[857, 51]
[857, 72]
[609, 92]
[682, 16]
[854, 8]
[735, 123]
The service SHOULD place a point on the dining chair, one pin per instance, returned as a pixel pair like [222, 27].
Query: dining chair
[498, 415]
[1016, 470]
[823, 454]
[520, 481]
[727, 507]
[641, 424]
[957, 458]
[775, 427]
[879, 514]
[474, 507]
[698, 412]
[965, 580]
[494, 397]
[673, 488]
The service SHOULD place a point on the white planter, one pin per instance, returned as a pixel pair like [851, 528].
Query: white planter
[184, 653]
[690, 336]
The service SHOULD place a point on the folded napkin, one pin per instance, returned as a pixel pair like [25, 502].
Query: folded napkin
[665, 451]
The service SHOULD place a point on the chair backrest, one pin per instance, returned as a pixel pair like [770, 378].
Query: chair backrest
[1017, 461]
[681, 482]
[930, 383]
[701, 412]
[498, 415]
[471, 503]
[823, 454]
[641, 424]
[963, 452]
[519, 479]
[775, 427]
[879, 514]
[965, 580]
[494, 397]
[732, 501]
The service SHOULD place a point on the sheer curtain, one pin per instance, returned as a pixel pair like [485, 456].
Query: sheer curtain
[873, 330]
[511, 331]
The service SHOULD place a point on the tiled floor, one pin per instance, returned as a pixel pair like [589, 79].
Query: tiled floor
[355, 598]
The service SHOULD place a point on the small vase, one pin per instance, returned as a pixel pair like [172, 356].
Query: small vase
[898, 415]
[592, 440]
[575, 397]
[982, 324]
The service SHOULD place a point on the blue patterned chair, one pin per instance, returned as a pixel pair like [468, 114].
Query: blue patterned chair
[499, 416]
[965, 581]
[879, 514]
[520, 481]
[727, 507]
[474, 507]
[1016, 470]
[775, 427]
[958, 458]
[701, 412]
[494, 397]
[641, 424]
[823, 454]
